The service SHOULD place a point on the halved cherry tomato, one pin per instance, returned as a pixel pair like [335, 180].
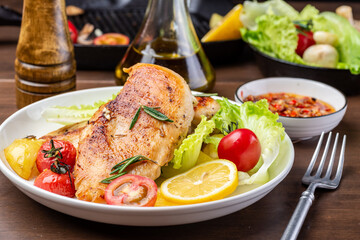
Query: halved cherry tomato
[131, 190]
[112, 39]
[242, 147]
[52, 150]
[62, 184]
[73, 32]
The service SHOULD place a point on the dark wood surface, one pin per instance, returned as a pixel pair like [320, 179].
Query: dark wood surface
[334, 214]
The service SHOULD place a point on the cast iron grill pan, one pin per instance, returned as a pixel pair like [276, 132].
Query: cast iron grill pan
[128, 21]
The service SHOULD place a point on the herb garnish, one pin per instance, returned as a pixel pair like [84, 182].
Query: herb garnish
[156, 114]
[61, 168]
[120, 167]
[135, 118]
[231, 127]
[303, 26]
[52, 152]
[205, 94]
[151, 112]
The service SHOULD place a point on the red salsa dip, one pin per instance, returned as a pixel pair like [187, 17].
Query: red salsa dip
[294, 105]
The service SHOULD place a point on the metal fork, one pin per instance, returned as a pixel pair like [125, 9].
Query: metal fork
[314, 181]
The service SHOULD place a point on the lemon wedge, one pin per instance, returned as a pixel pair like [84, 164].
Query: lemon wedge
[208, 181]
[229, 29]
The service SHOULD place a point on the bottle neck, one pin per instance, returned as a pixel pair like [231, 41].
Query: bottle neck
[169, 20]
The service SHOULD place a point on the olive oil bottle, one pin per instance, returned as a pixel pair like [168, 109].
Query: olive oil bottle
[167, 38]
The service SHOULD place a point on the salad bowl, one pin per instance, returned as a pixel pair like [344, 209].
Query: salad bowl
[32, 123]
[323, 46]
[296, 127]
[341, 79]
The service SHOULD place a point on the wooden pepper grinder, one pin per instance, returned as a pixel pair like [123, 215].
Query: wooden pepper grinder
[45, 63]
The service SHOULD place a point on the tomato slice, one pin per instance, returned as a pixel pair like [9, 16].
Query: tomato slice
[62, 184]
[52, 150]
[112, 39]
[131, 190]
[242, 147]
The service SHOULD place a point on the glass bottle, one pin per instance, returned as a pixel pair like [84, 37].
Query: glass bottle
[167, 38]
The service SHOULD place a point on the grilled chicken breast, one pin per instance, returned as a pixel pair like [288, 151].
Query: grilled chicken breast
[206, 106]
[107, 140]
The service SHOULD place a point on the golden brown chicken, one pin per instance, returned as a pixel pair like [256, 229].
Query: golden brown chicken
[107, 140]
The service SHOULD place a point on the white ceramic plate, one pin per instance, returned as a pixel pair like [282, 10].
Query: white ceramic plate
[28, 121]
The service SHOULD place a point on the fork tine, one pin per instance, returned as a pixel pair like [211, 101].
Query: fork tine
[331, 161]
[322, 162]
[341, 161]
[315, 155]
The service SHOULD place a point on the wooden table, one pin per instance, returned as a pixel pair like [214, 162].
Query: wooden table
[334, 214]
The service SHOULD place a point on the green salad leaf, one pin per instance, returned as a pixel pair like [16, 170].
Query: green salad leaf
[253, 9]
[72, 114]
[275, 36]
[186, 155]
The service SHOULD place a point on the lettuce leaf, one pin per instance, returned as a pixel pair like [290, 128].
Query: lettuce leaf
[186, 155]
[253, 9]
[275, 36]
[72, 114]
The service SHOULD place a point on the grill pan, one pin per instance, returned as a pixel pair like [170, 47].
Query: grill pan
[125, 16]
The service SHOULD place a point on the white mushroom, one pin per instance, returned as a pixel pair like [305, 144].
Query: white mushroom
[322, 37]
[322, 55]
[346, 12]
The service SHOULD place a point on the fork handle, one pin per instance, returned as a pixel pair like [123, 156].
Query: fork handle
[293, 228]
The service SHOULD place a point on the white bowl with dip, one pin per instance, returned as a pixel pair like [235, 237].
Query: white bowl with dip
[299, 128]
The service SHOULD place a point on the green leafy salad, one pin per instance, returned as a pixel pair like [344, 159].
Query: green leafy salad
[209, 132]
[276, 29]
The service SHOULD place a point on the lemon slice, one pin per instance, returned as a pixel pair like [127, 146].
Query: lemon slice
[208, 181]
[229, 29]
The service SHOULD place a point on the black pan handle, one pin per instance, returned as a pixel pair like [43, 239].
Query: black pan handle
[9, 17]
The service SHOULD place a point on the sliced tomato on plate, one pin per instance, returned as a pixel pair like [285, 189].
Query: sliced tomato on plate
[112, 39]
[131, 190]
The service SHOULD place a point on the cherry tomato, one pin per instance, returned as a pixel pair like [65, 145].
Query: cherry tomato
[242, 147]
[62, 184]
[131, 190]
[112, 39]
[64, 151]
[73, 32]
[305, 40]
